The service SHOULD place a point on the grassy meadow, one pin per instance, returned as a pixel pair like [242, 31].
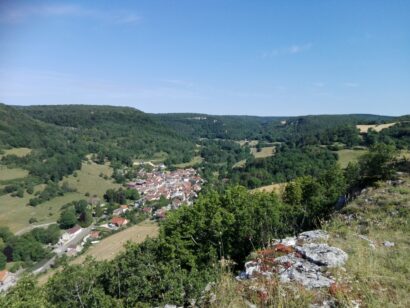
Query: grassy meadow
[15, 213]
[346, 156]
[88, 179]
[196, 160]
[7, 174]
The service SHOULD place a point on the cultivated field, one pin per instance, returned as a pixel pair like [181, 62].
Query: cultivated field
[88, 179]
[7, 174]
[377, 127]
[276, 187]
[265, 152]
[347, 155]
[111, 246]
[20, 152]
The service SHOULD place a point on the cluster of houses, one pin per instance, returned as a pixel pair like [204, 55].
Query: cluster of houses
[179, 186]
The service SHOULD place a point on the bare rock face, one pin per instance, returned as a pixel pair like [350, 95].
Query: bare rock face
[313, 236]
[323, 254]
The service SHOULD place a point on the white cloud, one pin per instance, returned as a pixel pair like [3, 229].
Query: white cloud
[289, 50]
[23, 13]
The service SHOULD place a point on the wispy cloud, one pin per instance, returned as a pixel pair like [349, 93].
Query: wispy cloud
[24, 13]
[350, 84]
[288, 50]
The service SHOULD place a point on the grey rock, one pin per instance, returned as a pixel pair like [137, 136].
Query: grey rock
[313, 236]
[323, 254]
[288, 241]
[294, 269]
[388, 244]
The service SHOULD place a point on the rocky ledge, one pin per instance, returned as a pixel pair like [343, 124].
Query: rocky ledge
[303, 259]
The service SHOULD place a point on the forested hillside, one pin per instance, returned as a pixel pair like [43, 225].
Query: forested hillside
[116, 133]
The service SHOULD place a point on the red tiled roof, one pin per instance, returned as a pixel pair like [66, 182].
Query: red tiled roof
[3, 275]
[73, 229]
[119, 221]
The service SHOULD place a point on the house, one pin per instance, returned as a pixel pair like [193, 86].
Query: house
[72, 250]
[119, 221]
[147, 210]
[70, 233]
[94, 235]
[3, 276]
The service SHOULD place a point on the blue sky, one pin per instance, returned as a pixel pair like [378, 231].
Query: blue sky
[218, 57]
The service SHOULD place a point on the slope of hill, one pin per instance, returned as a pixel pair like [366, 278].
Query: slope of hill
[373, 230]
[116, 133]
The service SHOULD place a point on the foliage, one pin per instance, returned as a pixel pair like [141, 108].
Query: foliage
[50, 235]
[68, 218]
[287, 164]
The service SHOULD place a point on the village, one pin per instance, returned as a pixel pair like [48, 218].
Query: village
[160, 191]
[179, 187]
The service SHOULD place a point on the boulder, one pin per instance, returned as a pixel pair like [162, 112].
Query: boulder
[294, 269]
[323, 254]
[313, 236]
[388, 244]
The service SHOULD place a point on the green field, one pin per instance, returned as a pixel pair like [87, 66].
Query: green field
[348, 155]
[196, 160]
[15, 213]
[89, 180]
[7, 174]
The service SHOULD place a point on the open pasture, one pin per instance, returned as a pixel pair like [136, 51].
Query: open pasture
[377, 127]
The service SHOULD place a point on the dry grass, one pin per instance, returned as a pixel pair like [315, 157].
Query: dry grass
[275, 187]
[265, 152]
[372, 277]
[111, 246]
[378, 276]
[377, 127]
[20, 152]
[7, 174]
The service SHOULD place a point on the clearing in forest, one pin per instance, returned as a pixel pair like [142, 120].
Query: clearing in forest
[346, 156]
[265, 152]
[275, 187]
[377, 127]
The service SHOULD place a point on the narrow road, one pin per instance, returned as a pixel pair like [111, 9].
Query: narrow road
[61, 250]
[31, 227]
